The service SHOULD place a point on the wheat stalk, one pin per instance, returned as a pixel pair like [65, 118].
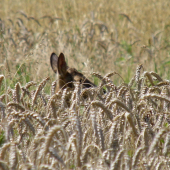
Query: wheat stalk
[135, 158]
[13, 161]
[16, 105]
[116, 163]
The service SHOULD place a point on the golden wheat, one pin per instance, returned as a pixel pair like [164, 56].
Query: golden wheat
[127, 127]
[124, 127]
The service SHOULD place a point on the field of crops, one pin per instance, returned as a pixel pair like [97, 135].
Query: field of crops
[123, 47]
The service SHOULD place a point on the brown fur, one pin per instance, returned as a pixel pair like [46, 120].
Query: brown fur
[66, 75]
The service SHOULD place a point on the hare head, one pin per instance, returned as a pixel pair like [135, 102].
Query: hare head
[66, 76]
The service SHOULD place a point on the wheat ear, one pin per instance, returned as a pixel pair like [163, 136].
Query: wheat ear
[156, 75]
[118, 102]
[13, 157]
[40, 87]
[129, 118]
[16, 105]
[163, 83]
[105, 109]
[16, 93]
[50, 135]
[167, 144]
[86, 152]
[53, 87]
[3, 149]
[137, 76]
[155, 141]
[157, 97]
[147, 74]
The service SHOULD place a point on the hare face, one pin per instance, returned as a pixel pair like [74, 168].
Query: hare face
[66, 75]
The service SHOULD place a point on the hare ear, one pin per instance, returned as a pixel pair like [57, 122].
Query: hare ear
[54, 62]
[62, 65]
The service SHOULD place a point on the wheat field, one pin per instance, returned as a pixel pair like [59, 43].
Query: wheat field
[123, 47]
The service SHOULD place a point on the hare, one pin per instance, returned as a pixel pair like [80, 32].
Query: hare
[66, 75]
